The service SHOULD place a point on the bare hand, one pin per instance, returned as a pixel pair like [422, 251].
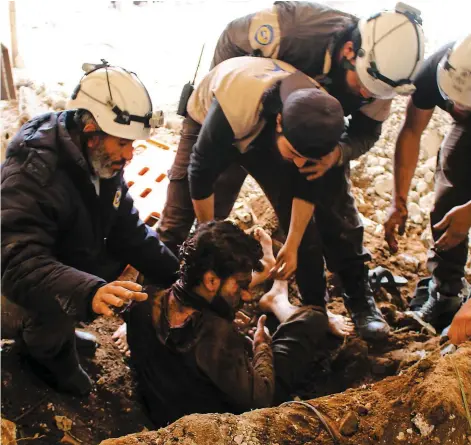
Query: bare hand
[262, 334]
[460, 329]
[241, 321]
[397, 217]
[116, 294]
[318, 168]
[456, 224]
[286, 263]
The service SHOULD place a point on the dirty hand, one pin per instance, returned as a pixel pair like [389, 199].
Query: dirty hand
[241, 320]
[456, 224]
[318, 168]
[397, 217]
[116, 294]
[262, 334]
[286, 263]
[460, 329]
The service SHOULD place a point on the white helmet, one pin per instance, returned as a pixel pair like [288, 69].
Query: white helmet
[391, 53]
[454, 74]
[118, 101]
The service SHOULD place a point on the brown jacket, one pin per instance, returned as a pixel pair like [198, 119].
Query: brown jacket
[199, 364]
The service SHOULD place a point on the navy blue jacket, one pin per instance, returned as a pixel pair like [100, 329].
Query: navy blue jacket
[60, 241]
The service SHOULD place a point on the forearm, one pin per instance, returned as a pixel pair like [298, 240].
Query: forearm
[204, 209]
[353, 146]
[405, 163]
[264, 384]
[301, 214]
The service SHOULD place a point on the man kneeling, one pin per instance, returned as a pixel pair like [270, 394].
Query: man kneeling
[187, 353]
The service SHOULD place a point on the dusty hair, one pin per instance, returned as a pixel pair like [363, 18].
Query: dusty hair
[219, 246]
[84, 117]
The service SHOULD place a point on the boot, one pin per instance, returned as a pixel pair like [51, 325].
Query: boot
[359, 301]
[439, 309]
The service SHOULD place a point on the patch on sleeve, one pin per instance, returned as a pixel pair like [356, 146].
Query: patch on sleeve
[117, 198]
[264, 32]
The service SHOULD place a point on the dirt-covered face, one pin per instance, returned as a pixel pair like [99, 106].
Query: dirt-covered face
[108, 154]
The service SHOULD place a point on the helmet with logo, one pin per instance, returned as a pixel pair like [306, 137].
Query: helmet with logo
[391, 52]
[454, 74]
[118, 101]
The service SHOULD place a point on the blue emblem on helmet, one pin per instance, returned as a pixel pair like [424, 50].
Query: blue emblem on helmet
[264, 35]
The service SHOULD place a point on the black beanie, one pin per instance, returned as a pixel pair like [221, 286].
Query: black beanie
[312, 120]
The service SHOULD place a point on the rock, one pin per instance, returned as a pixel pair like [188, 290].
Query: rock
[426, 202]
[414, 196]
[414, 210]
[431, 163]
[63, 423]
[238, 439]
[417, 219]
[349, 424]
[362, 410]
[422, 425]
[401, 436]
[383, 185]
[431, 143]
[8, 432]
[421, 186]
[424, 364]
[429, 177]
[409, 261]
[375, 171]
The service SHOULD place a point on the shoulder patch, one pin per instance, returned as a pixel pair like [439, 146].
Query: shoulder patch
[117, 198]
[36, 167]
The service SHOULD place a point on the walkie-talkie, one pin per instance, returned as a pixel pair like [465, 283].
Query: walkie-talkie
[187, 90]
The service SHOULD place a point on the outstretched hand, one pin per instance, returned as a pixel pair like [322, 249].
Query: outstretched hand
[116, 294]
[262, 334]
[397, 217]
[456, 224]
[286, 263]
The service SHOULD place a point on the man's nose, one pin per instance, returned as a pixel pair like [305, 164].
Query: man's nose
[128, 152]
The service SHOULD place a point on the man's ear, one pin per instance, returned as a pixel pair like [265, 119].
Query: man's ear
[211, 282]
[279, 128]
[92, 139]
[348, 52]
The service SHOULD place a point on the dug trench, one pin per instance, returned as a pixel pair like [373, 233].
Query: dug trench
[400, 391]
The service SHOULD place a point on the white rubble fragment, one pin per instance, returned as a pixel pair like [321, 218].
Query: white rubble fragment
[426, 202]
[424, 428]
[428, 176]
[384, 184]
[431, 143]
[401, 436]
[421, 186]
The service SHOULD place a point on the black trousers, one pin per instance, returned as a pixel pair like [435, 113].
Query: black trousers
[335, 232]
[49, 339]
[452, 188]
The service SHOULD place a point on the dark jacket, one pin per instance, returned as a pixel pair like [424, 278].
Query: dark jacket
[60, 241]
[200, 366]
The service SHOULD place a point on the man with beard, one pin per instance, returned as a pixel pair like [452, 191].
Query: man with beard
[188, 355]
[363, 64]
[69, 225]
[443, 81]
